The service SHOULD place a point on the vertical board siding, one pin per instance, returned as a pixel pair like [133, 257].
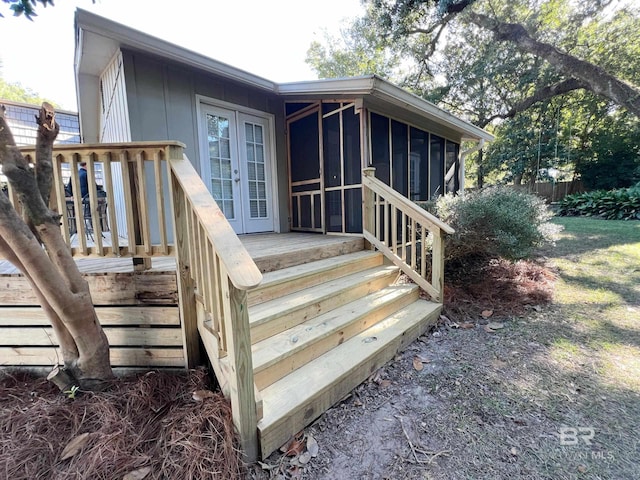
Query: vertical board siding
[114, 123]
[162, 99]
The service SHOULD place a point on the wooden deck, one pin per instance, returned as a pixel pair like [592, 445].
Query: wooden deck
[270, 251]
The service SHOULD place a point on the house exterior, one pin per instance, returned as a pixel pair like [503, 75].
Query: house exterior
[21, 117]
[277, 157]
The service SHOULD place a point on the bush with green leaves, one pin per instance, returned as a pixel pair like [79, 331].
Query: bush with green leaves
[619, 204]
[495, 222]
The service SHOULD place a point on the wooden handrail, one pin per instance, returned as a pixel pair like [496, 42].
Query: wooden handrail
[215, 272]
[403, 232]
[242, 270]
[389, 193]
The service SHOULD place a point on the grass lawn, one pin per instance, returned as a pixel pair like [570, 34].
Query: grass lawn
[590, 378]
[552, 393]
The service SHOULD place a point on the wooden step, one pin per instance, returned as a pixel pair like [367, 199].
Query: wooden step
[279, 355]
[300, 254]
[275, 316]
[294, 401]
[299, 277]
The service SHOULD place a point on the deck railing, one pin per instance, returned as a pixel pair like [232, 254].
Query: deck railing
[156, 204]
[214, 274]
[126, 213]
[408, 235]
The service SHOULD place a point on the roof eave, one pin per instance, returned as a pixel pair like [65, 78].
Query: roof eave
[134, 39]
[388, 92]
[397, 96]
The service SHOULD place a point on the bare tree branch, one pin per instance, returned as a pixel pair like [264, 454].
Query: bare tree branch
[594, 78]
[543, 93]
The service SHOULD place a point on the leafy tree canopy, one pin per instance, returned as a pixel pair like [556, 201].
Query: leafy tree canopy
[26, 7]
[17, 93]
[557, 68]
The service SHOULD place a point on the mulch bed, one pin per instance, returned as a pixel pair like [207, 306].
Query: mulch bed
[505, 288]
[147, 426]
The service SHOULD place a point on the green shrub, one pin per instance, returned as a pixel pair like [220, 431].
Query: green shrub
[620, 204]
[492, 223]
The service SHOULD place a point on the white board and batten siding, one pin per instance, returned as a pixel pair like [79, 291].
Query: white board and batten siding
[114, 125]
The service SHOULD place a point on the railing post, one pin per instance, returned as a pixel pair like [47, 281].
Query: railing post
[368, 200]
[437, 264]
[241, 385]
[186, 287]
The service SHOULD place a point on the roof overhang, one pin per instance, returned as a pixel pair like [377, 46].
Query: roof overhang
[98, 39]
[379, 92]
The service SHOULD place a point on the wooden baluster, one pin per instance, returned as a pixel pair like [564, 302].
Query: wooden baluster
[162, 221]
[111, 207]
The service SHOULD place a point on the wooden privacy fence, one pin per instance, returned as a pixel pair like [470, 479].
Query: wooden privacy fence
[552, 191]
[408, 235]
[214, 273]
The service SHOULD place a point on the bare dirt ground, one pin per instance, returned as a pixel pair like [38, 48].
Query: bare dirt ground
[544, 391]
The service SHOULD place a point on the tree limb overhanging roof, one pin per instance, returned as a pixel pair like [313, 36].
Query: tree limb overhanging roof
[98, 39]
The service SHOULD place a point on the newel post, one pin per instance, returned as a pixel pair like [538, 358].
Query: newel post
[186, 286]
[241, 384]
[437, 264]
[368, 200]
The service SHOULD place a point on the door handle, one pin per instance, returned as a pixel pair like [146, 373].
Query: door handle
[237, 179]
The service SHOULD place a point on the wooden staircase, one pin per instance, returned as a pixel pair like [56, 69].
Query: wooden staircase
[319, 329]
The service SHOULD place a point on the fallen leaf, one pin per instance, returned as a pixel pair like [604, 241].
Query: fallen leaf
[467, 325]
[486, 313]
[294, 448]
[75, 446]
[304, 458]
[384, 383]
[312, 446]
[417, 364]
[582, 468]
[495, 325]
[137, 474]
[445, 319]
[201, 395]
[295, 472]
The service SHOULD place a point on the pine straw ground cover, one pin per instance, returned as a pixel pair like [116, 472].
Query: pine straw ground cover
[144, 424]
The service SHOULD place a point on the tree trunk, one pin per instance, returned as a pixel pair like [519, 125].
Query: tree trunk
[52, 272]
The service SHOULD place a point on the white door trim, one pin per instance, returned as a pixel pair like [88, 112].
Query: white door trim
[203, 102]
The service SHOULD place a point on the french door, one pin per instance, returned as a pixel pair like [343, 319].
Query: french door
[236, 166]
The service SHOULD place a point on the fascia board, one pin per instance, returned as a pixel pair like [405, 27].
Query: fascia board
[389, 93]
[128, 37]
[395, 95]
[331, 86]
